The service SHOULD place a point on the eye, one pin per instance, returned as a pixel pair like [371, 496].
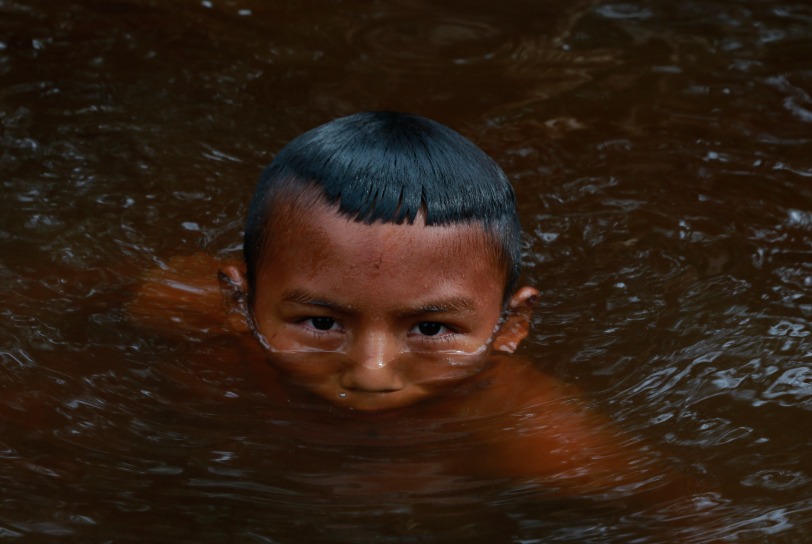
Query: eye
[430, 328]
[322, 323]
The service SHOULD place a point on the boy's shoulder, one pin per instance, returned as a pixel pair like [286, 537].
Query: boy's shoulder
[513, 383]
[184, 297]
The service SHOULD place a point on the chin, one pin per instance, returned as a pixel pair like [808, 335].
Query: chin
[375, 403]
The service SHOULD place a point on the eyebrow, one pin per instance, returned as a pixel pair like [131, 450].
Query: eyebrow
[300, 296]
[450, 304]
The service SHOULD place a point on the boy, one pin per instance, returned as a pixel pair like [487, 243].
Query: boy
[382, 257]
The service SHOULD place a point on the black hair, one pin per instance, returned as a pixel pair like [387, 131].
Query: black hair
[388, 167]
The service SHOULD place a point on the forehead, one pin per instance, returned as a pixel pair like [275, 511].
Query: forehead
[324, 243]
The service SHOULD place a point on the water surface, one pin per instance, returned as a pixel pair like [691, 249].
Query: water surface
[662, 157]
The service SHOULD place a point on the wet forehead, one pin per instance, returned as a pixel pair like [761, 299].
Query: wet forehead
[326, 244]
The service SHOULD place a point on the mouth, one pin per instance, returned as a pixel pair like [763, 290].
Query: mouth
[373, 402]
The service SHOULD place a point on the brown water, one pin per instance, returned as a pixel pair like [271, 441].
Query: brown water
[662, 155]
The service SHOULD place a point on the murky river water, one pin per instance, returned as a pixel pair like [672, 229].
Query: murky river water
[662, 156]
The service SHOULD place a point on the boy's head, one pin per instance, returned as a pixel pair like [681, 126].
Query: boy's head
[389, 167]
[384, 248]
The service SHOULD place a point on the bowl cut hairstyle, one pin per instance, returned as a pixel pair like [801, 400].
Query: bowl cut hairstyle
[388, 167]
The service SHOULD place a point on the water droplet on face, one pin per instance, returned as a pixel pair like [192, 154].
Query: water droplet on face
[342, 395]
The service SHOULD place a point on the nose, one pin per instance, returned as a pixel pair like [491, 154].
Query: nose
[373, 365]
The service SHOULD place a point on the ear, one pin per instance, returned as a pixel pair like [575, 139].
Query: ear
[517, 321]
[234, 288]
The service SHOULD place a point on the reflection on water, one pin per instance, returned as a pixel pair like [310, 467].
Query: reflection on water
[660, 152]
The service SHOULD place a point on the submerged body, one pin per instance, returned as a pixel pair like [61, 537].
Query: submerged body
[378, 308]
[364, 337]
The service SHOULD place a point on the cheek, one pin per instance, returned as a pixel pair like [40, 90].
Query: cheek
[422, 371]
[270, 332]
[305, 369]
[272, 327]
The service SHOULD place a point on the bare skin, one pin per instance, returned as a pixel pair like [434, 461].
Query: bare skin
[382, 330]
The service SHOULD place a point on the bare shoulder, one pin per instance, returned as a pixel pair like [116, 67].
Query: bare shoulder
[184, 296]
[549, 432]
[515, 385]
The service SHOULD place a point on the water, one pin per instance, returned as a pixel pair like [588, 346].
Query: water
[662, 157]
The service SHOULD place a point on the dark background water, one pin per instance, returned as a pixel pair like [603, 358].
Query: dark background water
[662, 156]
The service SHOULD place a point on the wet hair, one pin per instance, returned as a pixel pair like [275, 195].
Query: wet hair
[388, 167]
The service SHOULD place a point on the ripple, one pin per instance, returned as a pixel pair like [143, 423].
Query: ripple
[777, 479]
[794, 387]
[431, 45]
[624, 11]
